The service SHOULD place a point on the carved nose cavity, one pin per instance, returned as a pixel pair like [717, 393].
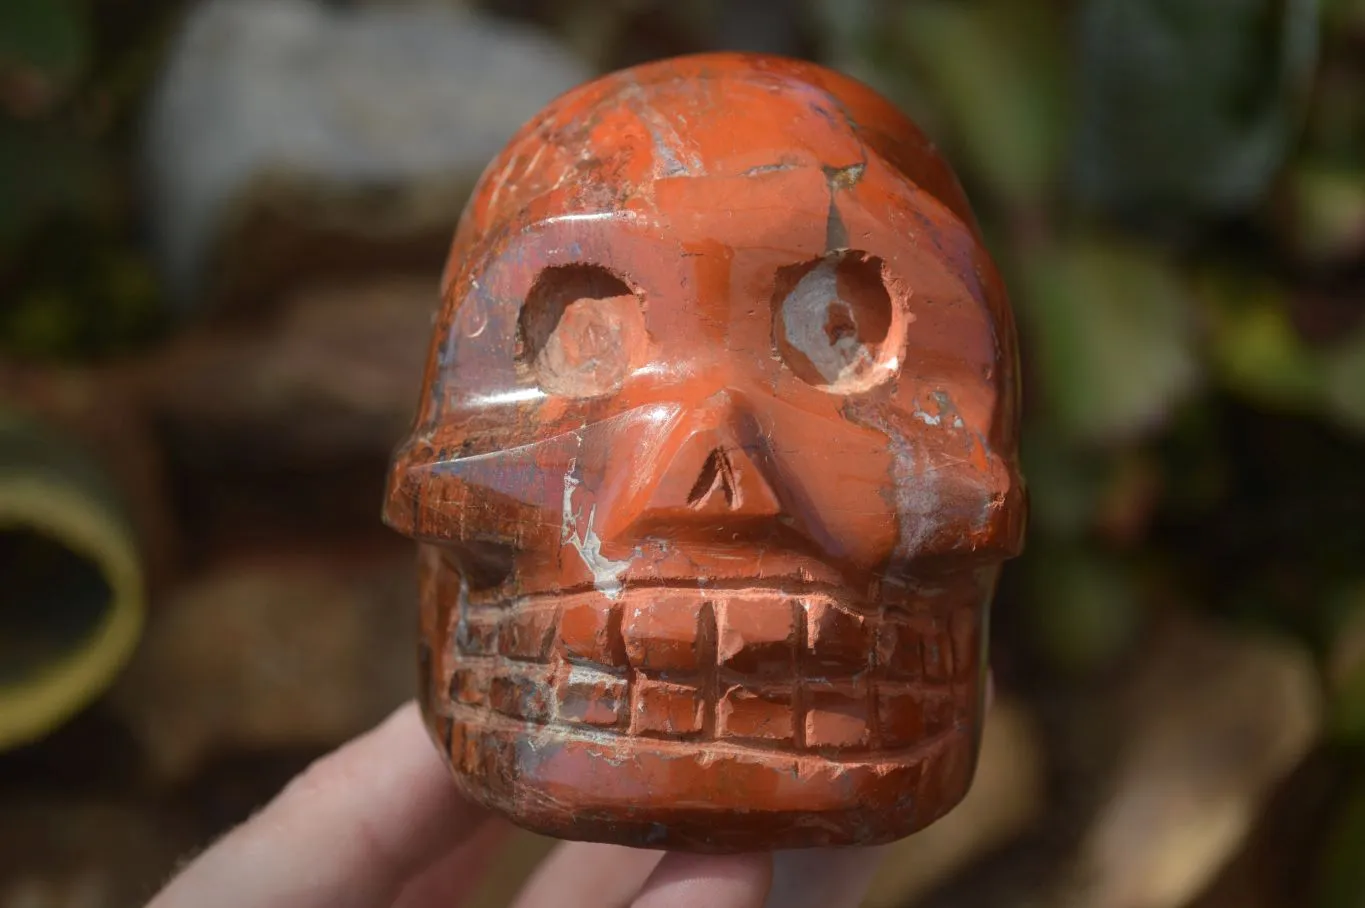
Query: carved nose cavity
[712, 475]
[719, 487]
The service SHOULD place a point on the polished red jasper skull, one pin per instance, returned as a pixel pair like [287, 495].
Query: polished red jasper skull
[715, 467]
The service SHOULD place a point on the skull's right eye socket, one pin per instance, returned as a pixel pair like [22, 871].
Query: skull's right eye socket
[835, 324]
[579, 331]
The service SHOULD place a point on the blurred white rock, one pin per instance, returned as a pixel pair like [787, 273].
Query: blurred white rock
[363, 124]
[1214, 720]
[278, 651]
[1006, 798]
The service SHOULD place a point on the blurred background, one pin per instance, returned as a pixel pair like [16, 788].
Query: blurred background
[221, 230]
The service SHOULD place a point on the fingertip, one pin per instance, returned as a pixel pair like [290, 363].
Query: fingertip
[718, 881]
[348, 831]
[824, 877]
[460, 872]
[398, 740]
[588, 874]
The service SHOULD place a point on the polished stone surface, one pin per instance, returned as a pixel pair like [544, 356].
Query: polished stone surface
[715, 467]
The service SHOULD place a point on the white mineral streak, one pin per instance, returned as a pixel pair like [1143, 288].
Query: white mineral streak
[805, 313]
[918, 503]
[333, 100]
[606, 574]
[668, 144]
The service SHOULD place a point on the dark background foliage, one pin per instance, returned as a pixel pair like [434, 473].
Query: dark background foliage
[1175, 191]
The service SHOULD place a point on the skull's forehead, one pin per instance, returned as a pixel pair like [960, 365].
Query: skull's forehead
[742, 152]
[604, 144]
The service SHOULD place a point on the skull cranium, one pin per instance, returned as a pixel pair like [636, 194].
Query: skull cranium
[715, 467]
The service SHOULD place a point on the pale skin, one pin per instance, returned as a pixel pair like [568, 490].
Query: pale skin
[378, 823]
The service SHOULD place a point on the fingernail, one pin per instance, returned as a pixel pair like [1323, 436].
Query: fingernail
[823, 877]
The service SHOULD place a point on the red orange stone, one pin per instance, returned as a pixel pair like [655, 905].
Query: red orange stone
[714, 468]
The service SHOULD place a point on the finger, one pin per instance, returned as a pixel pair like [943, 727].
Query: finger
[823, 877]
[588, 875]
[717, 881]
[458, 873]
[582, 874]
[347, 833]
[832, 877]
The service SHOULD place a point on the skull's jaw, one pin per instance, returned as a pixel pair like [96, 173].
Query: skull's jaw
[715, 720]
[713, 798]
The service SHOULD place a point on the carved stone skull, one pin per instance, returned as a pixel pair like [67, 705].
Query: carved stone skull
[715, 467]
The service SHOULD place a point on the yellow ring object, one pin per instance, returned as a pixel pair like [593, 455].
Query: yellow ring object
[51, 492]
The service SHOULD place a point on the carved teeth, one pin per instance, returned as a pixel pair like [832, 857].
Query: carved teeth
[761, 668]
[835, 637]
[664, 635]
[666, 709]
[765, 714]
[837, 715]
[590, 631]
[910, 713]
[755, 635]
[589, 697]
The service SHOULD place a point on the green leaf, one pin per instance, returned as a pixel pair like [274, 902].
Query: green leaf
[82, 291]
[845, 26]
[996, 71]
[1342, 870]
[1189, 107]
[1344, 17]
[1344, 381]
[1065, 485]
[858, 38]
[1254, 349]
[1335, 131]
[48, 35]
[1108, 329]
[45, 171]
[1084, 605]
[1326, 221]
[1078, 492]
[1343, 630]
[1348, 707]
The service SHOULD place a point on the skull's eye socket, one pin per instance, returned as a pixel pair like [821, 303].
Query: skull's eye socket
[834, 323]
[580, 331]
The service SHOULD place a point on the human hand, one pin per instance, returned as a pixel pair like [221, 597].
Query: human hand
[379, 823]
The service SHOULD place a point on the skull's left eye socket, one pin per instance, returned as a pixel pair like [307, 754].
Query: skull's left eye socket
[580, 331]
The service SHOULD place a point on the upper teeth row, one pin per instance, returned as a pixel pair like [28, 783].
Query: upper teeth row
[750, 634]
